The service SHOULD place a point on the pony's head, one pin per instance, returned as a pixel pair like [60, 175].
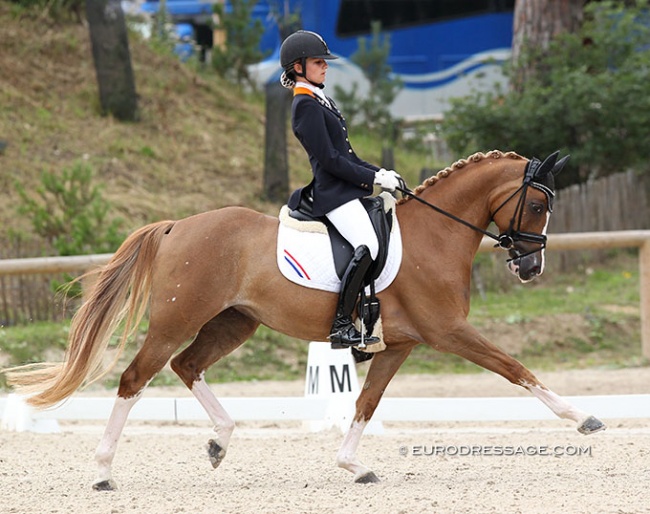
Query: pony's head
[523, 217]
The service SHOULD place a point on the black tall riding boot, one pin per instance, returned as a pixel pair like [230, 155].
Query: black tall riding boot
[343, 333]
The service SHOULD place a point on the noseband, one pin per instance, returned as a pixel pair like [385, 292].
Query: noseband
[507, 240]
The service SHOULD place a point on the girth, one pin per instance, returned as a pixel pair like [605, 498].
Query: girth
[342, 250]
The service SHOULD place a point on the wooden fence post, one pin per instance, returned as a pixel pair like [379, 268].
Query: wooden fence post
[276, 161]
[644, 286]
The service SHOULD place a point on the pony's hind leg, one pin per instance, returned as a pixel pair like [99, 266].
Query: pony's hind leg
[217, 338]
[151, 358]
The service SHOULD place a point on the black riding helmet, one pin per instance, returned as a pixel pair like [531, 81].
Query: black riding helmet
[299, 46]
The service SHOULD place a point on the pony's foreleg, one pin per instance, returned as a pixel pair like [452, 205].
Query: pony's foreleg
[382, 369]
[347, 455]
[220, 336]
[587, 424]
[468, 343]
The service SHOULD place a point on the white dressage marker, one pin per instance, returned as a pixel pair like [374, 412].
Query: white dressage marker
[332, 375]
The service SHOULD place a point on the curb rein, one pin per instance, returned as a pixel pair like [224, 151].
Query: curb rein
[507, 239]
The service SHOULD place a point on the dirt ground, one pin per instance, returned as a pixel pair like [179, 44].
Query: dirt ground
[281, 468]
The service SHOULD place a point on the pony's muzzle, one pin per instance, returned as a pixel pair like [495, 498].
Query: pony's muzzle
[526, 264]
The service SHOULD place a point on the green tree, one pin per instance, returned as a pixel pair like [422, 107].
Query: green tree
[162, 28]
[241, 47]
[373, 110]
[592, 99]
[69, 212]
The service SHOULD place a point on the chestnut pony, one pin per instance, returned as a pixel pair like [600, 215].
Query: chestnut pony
[214, 276]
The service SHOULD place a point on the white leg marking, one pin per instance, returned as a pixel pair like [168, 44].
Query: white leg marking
[558, 405]
[108, 444]
[347, 455]
[223, 423]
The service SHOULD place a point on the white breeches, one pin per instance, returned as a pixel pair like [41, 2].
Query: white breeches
[352, 221]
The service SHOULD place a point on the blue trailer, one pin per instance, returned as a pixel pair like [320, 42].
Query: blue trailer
[439, 48]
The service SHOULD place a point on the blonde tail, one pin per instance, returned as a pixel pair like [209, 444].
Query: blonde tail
[122, 292]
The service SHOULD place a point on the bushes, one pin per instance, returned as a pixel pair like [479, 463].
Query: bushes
[55, 9]
[70, 213]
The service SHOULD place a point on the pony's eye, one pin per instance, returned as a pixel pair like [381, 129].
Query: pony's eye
[536, 207]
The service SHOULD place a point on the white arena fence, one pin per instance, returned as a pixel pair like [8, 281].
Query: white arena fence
[298, 408]
[331, 388]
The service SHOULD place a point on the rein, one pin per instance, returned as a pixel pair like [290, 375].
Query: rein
[407, 192]
[506, 240]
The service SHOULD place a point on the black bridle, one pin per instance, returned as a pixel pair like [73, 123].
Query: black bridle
[534, 174]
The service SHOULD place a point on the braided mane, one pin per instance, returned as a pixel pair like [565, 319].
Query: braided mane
[478, 156]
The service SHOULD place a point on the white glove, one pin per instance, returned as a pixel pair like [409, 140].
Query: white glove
[387, 179]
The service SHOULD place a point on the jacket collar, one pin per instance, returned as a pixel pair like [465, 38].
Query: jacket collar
[303, 88]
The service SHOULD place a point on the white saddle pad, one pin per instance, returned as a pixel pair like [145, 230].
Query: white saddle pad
[304, 253]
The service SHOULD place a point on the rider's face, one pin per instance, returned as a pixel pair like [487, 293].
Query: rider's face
[316, 70]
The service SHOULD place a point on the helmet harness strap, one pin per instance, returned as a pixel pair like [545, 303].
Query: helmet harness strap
[303, 65]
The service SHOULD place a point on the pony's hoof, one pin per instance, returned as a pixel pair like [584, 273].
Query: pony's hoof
[216, 453]
[591, 425]
[367, 478]
[105, 485]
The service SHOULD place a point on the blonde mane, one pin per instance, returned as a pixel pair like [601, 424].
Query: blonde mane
[461, 163]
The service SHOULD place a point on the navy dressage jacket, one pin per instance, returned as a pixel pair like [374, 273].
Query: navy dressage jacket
[339, 174]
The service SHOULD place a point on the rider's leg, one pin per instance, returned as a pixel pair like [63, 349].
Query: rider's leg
[352, 221]
[343, 333]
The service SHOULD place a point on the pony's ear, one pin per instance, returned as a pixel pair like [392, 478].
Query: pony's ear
[560, 164]
[547, 165]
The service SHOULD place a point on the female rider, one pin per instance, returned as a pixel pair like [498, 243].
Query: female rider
[340, 178]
